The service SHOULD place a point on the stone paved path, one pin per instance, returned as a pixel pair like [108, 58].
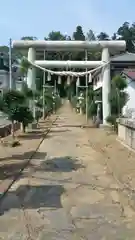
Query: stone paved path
[66, 193]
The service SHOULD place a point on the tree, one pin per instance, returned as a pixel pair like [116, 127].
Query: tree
[118, 98]
[23, 115]
[90, 36]
[78, 35]
[24, 66]
[55, 36]
[29, 38]
[10, 104]
[103, 36]
[127, 32]
[114, 36]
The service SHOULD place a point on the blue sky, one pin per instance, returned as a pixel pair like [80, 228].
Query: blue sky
[38, 17]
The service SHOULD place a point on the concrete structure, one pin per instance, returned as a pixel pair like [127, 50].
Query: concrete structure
[129, 108]
[70, 45]
[126, 131]
[107, 46]
[68, 64]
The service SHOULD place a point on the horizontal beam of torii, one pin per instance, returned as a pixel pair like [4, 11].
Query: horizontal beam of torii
[68, 64]
[69, 45]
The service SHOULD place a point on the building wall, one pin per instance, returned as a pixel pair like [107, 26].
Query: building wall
[115, 70]
[130, 105]
[4, 80]
[129, 108]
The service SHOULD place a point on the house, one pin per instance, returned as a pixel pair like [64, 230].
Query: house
[117, 65]
[17, 77]
[4, 74]
[129, 108]
[4, 80]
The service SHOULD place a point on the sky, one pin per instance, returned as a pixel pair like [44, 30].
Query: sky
[20, 18]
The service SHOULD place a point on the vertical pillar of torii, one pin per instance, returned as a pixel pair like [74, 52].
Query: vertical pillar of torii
[31, 76]
[106, 85]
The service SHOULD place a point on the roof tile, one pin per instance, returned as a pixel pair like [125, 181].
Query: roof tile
[130, 73]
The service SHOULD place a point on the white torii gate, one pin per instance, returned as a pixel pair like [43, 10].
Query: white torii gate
[105, 46]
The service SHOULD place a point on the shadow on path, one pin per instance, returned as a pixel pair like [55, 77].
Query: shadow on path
[59, 164]
[25, 156]
[33, 197]
[14, 163]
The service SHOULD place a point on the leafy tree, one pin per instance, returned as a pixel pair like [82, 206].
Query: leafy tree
[38, 115]
[29, 38]
[12, 97]
[119, 82]
[127, 32]
[103, 36]
[90, 36]
[55, 36]
[23, 115]
[114, 36]
[78, 34]
[24, 66]
[12, 104]
[118, 98]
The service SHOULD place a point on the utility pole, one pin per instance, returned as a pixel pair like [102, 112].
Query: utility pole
[10, 64]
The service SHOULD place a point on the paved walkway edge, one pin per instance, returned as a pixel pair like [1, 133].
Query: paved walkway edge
[26, 163]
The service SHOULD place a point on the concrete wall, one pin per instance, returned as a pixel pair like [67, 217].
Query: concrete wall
[126, 132]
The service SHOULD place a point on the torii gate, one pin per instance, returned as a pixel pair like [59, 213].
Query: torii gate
[105, 46]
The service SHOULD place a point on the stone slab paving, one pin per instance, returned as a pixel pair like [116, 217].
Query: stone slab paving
[66, 193]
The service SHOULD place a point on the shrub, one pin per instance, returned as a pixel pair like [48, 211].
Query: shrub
[112, 120]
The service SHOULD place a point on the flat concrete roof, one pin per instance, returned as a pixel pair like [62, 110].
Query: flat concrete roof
[69, 45]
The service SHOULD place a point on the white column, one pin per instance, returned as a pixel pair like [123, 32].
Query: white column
[31, 76]
[44, 80]
[106, 85]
